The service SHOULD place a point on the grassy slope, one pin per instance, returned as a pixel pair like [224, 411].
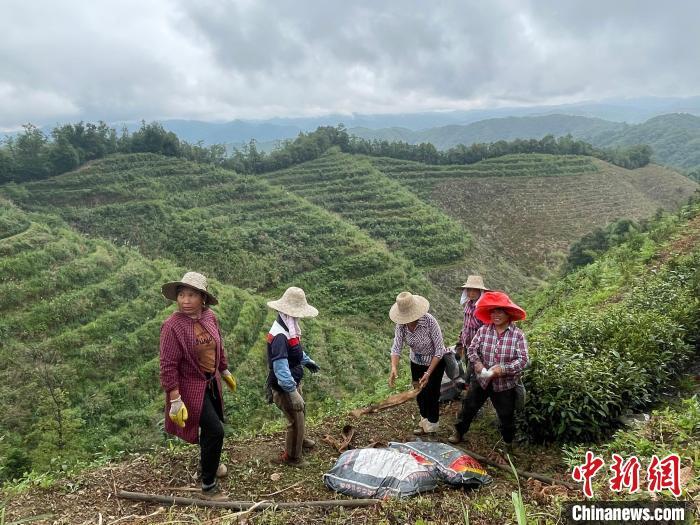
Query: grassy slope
[353, 189]
[89, 311]
[238, 229]
[83, 315]
[666, 252]
[524, 210]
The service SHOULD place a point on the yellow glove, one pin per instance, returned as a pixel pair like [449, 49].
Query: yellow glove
[229, 379]
[178, 412]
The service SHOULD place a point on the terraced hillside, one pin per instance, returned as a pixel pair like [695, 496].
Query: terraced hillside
[239, 229]
[612, 336]
[527, 209]
[388, 211]
[79, 321]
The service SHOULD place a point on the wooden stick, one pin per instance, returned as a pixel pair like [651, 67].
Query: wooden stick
[391, 401]
[245, 505]
[282, 490]
[522, 473]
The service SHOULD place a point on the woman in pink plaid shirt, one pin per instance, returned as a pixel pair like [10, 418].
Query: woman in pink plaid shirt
[498, 353]
[192, 365]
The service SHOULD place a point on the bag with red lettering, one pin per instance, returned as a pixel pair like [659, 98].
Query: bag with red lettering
[451, 465]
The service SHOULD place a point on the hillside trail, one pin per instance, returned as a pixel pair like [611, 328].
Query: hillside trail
[89, 496]
[688, 239]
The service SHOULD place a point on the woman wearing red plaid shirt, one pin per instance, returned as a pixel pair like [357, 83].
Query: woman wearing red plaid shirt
[498, 353]
[192, 365]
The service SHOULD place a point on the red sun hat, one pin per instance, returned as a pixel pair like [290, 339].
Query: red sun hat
[492, 300]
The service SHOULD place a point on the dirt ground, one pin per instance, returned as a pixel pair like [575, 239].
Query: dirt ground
[91, 497]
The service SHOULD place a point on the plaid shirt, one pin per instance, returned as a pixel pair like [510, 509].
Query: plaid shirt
[509, 350]
[425, 341]
[179, 368]
[471, 324]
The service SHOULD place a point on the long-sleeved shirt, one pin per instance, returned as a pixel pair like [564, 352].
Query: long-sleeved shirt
[180, 368]
[509, 350]
[284, 375]
[425, 341]
[471, 324]
[285, 357]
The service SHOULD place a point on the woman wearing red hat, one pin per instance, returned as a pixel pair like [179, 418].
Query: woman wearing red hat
[498, 353]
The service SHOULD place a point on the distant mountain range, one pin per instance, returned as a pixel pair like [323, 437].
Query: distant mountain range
[632, 111]
[675, 138]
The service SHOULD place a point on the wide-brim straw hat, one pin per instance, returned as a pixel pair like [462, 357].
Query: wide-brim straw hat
[474, 281]
[293, 302]
[408, 308]
[192, 280]
[492, 300]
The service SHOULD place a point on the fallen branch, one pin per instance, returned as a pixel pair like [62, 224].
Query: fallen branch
[241, 514]
[341, 445]
[282, 490]
[244, 505]
[391, 401]
[522, 473]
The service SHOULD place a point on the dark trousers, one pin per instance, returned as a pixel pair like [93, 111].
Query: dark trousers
[211, 435]
[503, 402]
[429, 398]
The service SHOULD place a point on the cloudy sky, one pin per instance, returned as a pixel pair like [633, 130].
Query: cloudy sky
[220, 60]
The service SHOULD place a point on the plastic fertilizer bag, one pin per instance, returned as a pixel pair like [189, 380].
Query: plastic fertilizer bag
[451, 388]
[379, 473]
[451, 464]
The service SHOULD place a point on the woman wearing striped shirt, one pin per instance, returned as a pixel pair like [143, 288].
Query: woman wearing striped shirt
[421, 332]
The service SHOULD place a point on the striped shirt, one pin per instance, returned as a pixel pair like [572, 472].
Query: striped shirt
[508, 350]
[471, 324]
[425, 341]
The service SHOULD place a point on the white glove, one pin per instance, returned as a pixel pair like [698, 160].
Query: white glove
[486, 374]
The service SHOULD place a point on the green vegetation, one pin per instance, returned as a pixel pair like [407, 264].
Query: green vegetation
[614, 335]
[590, 246]
[32, 155]
[673, 429]
[310, 146]
[674, 139]
[84, 254]
[386, 210]
[523, 211]
[236, 228]
[80, 321]
[425, 177]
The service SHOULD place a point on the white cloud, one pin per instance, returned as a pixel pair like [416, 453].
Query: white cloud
[221, 60]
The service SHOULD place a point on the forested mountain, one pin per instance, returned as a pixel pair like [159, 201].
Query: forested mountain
[674, 138]
[492, 130]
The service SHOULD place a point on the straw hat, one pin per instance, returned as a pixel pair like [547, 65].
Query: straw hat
[408, 308]
[492, 300]
[191, 279]
[293, 302]
[474, 281]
